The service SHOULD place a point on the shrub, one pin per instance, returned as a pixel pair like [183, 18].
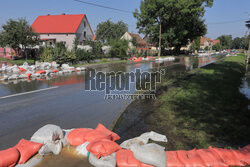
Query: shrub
[119, 48]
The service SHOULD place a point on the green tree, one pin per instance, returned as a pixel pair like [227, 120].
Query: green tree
[119, 48]
[134, 41]
[96, 48]
[82, 55]
[226, 41]
[181, 20]
[206, 48]
[75, 44]
[217, 47]
[195, 46]
[107, 31]
[18, 33]
[248, 24]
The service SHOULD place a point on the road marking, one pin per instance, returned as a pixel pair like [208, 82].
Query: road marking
[35, 91]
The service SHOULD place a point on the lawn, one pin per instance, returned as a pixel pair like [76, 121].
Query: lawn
[202, 109]
[17, 62]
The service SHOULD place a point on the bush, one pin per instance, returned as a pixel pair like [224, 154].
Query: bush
[119, 48]
[82, 55]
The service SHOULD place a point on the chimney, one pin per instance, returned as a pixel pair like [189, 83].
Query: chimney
[63, 13]
[48, 14]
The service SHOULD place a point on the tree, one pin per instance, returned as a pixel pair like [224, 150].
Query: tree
[217, 47]
[107, 31]
[75, 44]
[18, 33]
[134, 41]
[195, 46]
[119, 48]
[248, 24]
[180, 21]
[226, 41]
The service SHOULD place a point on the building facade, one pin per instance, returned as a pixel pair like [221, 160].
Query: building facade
[63, 28]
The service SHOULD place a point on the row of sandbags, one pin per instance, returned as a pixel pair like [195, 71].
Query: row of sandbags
[102, 151]
[36, 71]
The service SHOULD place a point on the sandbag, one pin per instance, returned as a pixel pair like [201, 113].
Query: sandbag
[243, 154]
[152, 154]
[125, 158]
[27, 149]
[48, 133]
[48, 148]
[190, 158]
[76, 137]
[82, 149]
[103, 129]
[32, 162]
[65, 141]
[210, 158]
[228, 156]
[173, 160]
[107, 161]
[96, 135]
[102, 148]
[143, 139]
[9, 157]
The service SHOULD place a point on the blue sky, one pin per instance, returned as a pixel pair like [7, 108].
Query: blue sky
[222, 11]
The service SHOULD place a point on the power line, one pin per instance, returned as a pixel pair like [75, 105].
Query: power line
[106, 7]
[228, 22]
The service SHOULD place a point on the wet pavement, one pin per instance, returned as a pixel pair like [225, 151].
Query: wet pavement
[68, 104]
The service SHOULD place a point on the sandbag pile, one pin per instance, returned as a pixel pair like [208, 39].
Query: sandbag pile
[100, 146]
[43, 69]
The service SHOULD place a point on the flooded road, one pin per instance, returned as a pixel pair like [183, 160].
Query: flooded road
[68, 104]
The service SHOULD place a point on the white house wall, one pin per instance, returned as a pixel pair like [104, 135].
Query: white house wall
[81, 29]
[67, 38]
[128, 37]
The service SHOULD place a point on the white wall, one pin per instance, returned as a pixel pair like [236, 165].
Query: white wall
[128, 37]
[68, 38]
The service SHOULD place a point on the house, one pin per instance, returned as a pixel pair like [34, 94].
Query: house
[63, 28]
[141, 43]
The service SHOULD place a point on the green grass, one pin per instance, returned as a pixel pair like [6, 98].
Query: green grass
[206, 109]
[201, 108]
[104, 61]
[17, 62]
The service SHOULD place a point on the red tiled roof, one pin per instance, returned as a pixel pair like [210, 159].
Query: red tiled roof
[139, 39]
[57, 23]
[215, 42]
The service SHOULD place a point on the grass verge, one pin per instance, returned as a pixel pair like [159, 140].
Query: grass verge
[17, 62]
[201, 109]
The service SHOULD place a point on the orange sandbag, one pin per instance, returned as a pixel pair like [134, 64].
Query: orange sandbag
[28, 75]
[102, 128]
[27, 149]
[21, 69]
[55, 71]
[210, 158]
[172, 159]
[243, 154]
[125, 158]
[96, 135]
[77, 136]
[190, 158]
[9, 158]
[41, 72]
[102, 148]
[228, 156]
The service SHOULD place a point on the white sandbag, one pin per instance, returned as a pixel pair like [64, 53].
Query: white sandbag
[49, 147]
[154, 136]
[65, 141]
[152, 154]
[82, 149]
[108, 161]
[48, 133]
[65, 66]
[32, 162]
[143, 139]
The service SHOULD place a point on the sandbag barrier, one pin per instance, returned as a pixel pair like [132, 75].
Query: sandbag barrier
[26, 71]
[102, 151]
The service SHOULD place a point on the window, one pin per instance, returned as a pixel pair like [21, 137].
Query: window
[80, 43]
[50, 43]
[84, 34]
[84, 24]
[67, 34]
[48, 34]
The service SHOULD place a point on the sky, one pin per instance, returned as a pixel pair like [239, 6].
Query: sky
[226, 17]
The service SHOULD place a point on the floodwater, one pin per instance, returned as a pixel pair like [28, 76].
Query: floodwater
[68, 104]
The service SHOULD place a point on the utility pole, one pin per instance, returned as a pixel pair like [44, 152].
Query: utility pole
[159, 53]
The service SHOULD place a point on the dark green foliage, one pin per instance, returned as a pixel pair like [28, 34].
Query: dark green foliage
[108, 31]
[217, 47]
[226, 41]
[206, 48]
[96, 48]
[119, 48]
[181, 20]
[18, 33]
[82, 55]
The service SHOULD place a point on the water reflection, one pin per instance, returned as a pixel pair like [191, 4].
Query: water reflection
[181, 64]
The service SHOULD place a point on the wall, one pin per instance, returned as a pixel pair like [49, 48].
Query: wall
[68, 38]
[87, 29]
[127, 37]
